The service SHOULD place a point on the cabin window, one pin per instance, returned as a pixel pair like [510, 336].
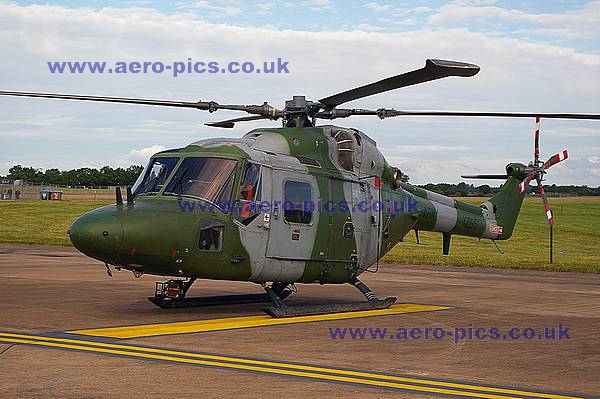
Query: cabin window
[344, 149]
[249, 194]
[154, 176]
[296, 195]
[210, 179]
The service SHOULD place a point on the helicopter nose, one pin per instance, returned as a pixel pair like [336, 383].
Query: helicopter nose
[97, 234]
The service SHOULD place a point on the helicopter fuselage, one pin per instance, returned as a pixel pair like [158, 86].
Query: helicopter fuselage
[220, 209]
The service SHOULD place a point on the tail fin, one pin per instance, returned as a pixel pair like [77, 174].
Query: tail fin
[506, 204]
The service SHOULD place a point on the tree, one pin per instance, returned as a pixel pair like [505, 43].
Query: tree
[53, 176]
[25, 173]
[106, 176]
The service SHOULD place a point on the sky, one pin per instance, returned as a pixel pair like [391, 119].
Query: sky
[534, 57]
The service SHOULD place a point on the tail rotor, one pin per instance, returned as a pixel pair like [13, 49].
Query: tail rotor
[536, 171]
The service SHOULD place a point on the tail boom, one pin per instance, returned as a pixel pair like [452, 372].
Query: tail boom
[494, 219]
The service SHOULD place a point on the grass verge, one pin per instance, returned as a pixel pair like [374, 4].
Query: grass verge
[576, 235]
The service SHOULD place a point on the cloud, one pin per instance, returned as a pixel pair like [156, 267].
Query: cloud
[401, 149]
[391, 10]
[425, 170]
[142, 155]
[421, 10]
[582, 23]
[573, 131]
[312, 5]
[369, 28]
[216, 10]
[38, 120]
[378, 7]
[516, 75]
[265, 7]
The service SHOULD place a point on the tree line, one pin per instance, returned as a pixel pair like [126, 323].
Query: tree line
[105, 176]
[108, 176]
[464, 190]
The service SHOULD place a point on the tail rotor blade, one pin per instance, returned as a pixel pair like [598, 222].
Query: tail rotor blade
[556, 158]
[523, 185]
[546, 204]
[536, 150]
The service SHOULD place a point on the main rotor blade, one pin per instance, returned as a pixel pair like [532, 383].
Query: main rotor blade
[556, 158]
[211, 106]
[122, 100]
[502, 177]
[230, 123]
[388, 113]
[433, 69]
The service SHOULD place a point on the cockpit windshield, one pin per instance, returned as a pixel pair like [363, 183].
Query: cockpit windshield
[208, 178]
[154, 176]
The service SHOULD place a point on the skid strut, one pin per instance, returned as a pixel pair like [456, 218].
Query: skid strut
[280, 309]
[172, 294]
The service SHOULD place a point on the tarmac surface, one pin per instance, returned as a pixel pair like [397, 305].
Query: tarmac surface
[58, 308]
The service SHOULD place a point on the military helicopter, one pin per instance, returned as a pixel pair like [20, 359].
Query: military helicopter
[176, 220]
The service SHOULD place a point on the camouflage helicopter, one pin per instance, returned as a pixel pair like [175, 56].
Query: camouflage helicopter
[177, 220]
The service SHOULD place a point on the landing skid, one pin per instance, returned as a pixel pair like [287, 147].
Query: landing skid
[281, 310]
[172, 294]
[167, 303]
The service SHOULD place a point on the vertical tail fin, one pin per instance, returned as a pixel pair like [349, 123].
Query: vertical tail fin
[507, 203]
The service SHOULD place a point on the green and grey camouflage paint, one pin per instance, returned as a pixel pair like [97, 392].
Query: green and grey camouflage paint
[340, 164]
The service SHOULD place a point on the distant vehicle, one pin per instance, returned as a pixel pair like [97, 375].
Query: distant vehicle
[51, 195]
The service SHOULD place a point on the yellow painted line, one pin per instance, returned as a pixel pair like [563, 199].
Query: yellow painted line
[149, 330]
[382, 384]
[273, 367]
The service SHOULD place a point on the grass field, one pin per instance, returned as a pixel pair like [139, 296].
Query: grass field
[576, 235]
[41, 222]
[576, 241]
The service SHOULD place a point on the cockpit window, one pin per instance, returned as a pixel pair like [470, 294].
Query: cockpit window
[154, 176]
[210, 179]
[249, 185]
[249, 195]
